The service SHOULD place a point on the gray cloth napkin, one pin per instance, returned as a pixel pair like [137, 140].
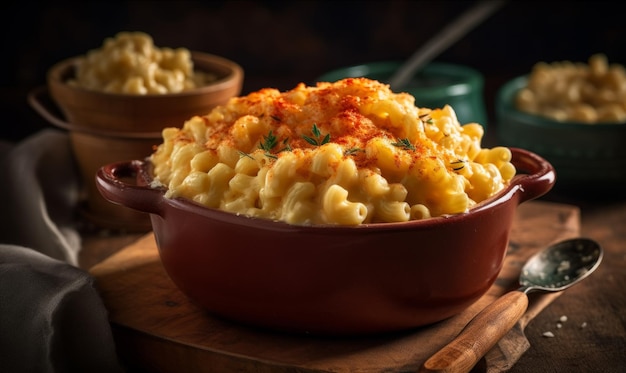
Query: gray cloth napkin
[51, 317]
[39, 188]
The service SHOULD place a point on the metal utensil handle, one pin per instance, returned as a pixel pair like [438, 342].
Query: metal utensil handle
[450, 34]
[479, 336]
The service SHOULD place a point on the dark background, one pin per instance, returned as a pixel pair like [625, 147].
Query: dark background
[282, 43]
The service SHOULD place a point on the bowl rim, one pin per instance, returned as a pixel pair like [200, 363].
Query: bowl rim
[242, 220]
[55, 75]
[470, 76]
[506, 108]
[143, 196]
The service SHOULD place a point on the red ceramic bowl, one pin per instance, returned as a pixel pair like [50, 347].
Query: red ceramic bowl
[329, 279]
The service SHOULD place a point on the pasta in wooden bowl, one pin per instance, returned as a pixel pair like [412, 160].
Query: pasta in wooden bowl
[116, 99]
[340, 208]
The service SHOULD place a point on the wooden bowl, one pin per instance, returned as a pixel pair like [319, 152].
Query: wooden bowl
[118, 113]
[106, 127]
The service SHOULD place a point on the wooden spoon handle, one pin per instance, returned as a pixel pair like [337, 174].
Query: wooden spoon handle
[479, 335]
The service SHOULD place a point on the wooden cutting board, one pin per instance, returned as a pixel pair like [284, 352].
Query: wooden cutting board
[157, 329]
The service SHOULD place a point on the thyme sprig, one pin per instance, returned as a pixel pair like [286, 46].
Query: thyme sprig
[315, 141]
[286, 147]
[404, 143]
[426, 118]
[353, 151]
[244, 154]
[270, 141]
[457, 165]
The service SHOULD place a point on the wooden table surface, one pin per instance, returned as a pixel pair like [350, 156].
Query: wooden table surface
[599, 304]
[592, 339]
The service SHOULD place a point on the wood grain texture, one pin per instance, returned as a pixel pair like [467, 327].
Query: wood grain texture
[479, 336]
[158, 329]
[593, 339]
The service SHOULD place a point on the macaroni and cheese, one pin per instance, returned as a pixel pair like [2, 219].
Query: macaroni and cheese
[566, 91]
[346, 153]
[130, 63]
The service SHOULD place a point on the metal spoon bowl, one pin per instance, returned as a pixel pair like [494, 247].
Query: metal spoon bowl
[561, 265]
[555, 268]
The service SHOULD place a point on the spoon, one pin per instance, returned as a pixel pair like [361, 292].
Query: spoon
[445, 38]
[555, 268]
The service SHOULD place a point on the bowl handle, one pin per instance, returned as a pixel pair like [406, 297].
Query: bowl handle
[115, 183]
[39, 99]
[536, 175]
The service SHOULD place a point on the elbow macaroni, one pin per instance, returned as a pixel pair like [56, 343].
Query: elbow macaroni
[130, 63]
[347, 153]
[575, 92]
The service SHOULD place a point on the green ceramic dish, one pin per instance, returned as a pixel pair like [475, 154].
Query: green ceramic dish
[436, 85]
[585, 156]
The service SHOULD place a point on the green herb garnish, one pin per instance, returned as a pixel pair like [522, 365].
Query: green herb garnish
[270, 142]
[315, 141]
[458, 164]
[244, 154]
[404, 144]
[353, 151]
[426, 118]
[286, 147]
